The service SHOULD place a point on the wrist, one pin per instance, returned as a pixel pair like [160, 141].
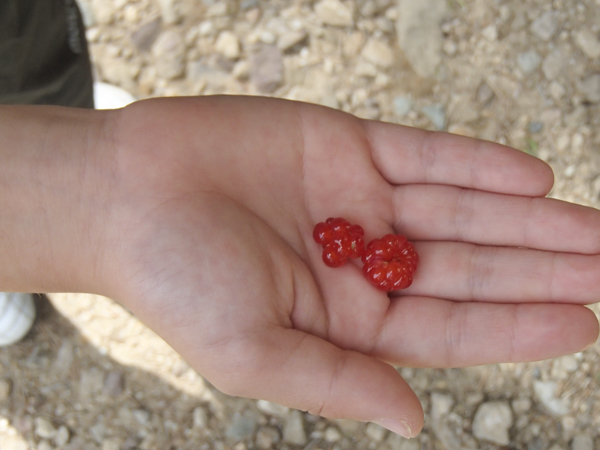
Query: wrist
[54, 197]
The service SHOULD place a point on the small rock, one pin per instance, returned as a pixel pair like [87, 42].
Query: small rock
[44, 429]
[169, 11]
[266, 68]
[273, 409]
[590, 88]
[169, 53]
[588, 43]
[293, 428]
[375, 432]
[5, 388]
[490, 33]
[582, 442]
[464, 130]
[142, 416]
[61, 438]
[535, 127]
[98, 431]
[365, 69]
[44, 445]
[145, 35]
[332, 434]
[521, 405]
[228, 45]
[545, 392]
[103, 12]
[242, 426]
[266, 437]
[492, 422]
[553, 63]
[335, 13]
[419, 33]
[441, 405]
[114, 383]
[402, 105]
[218, 9]
[557, 91]
[378, 52]
[545, 26]
[528, 61]
[291, 39]
[436, 114]
[484, 93]
[349, 427]
[200, 417]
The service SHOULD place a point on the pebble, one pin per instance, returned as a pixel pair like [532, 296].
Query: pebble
[335, 13]
[545, 392]
[242, 426]
[291, 39]
[554, 63]
[588, 43]
[273, 409]
[5, 388]
[293, 428]
[142, 416]
[61, 438]
[402, 105]
[582, 442]
[169, 11]
[441, 405]
[114, 383]
[529, 61]
[228, 45]
[44, 445]
[590, 88]
[332, 434]
[267, 436]
[378, 53]
[521, 405]
[436, 113]
[492, 422]
[545, 26]
[200, 417]
[44, 429]
[145, 35]
[375, 432]
[420, 35]
[169, 53]
[266, 68]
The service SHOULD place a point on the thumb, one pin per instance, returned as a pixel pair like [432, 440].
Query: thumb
[305, 372]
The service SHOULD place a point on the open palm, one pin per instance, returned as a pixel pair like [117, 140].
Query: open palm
[210, 242]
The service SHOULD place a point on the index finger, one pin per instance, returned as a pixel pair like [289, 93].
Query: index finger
[406, 155]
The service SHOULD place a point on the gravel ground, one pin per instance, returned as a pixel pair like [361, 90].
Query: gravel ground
[524, 73]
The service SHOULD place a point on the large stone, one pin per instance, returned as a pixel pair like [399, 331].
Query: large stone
[492, 422]
[335, 13]
[420, 34]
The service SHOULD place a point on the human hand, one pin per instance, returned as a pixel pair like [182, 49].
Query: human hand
[208, 240]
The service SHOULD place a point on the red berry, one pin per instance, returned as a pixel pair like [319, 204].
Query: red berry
[390, 262]
[340, 240]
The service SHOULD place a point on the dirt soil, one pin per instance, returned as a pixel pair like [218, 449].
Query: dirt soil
[524, 73]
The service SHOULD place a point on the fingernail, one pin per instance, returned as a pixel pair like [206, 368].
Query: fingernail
[397, 426]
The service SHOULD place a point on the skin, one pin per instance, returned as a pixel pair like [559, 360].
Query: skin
[197, 215]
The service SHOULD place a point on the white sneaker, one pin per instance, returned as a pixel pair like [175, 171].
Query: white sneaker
[17, 313]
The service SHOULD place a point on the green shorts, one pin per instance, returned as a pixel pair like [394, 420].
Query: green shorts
[44, 59]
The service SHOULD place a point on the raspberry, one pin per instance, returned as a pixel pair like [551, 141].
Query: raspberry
[390, 262]
[340, 240]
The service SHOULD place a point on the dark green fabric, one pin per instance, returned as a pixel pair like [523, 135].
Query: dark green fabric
[44, 58]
